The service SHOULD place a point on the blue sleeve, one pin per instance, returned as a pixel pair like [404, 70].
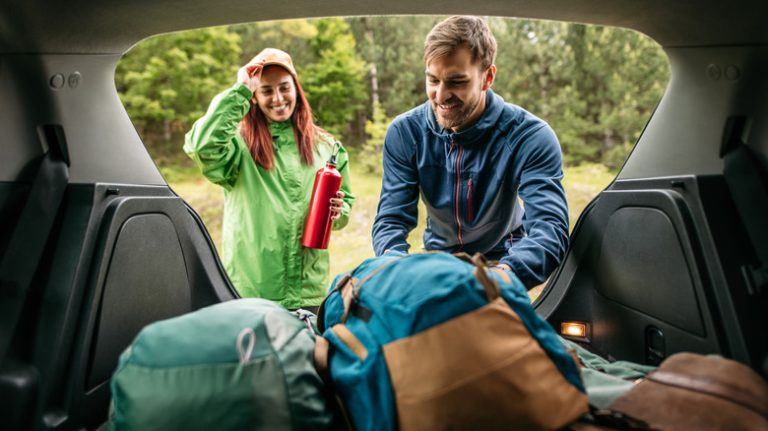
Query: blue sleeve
[545, 220]
[398, 204]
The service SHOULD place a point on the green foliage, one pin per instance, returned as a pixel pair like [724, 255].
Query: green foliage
[596, 86]
[375, 131]
[167, 82]
[291, 36]
[395, 46]
[334, 84]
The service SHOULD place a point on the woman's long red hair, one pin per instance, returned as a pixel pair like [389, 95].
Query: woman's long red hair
[255, 131]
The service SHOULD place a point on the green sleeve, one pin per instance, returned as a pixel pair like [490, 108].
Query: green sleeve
[342, 162]
[213, 140]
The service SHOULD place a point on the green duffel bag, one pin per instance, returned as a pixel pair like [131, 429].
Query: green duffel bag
[240, 365]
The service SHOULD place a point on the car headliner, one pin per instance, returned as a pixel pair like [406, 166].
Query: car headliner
[113, 26]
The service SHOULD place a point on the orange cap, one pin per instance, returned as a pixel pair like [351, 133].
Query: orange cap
[273, 56]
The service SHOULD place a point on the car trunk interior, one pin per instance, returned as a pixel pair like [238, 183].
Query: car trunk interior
[666, 259]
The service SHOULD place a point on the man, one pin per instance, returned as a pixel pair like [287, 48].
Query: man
[470, 155]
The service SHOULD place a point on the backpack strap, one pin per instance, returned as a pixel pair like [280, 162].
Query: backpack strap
[350, 292]
[490, 286]
[481, 273]
[322, 348]
[321, 310]
[607, 419]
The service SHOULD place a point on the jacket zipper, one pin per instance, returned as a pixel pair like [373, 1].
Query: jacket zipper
[469, 201]
[458, 194]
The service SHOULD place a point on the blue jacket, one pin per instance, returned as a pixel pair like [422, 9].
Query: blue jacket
[470, 182]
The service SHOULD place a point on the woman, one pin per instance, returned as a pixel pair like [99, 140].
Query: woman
[259, 142]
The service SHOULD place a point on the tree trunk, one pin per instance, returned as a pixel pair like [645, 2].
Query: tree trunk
[374, 85]
[373, 72]
[167, 130]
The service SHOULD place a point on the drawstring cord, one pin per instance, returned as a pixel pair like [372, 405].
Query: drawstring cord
[246, 340]
[245, 352]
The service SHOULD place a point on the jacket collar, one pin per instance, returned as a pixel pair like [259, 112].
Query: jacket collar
[494, 105]
[282, 133]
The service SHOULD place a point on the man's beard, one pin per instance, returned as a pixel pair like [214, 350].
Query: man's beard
[459, 117]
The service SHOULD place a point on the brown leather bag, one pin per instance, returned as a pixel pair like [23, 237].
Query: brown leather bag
[690, 392]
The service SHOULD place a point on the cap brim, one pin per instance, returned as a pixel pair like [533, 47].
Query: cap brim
[281, 64]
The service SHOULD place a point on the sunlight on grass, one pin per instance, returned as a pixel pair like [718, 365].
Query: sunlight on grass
[352, 245]
[582, 183]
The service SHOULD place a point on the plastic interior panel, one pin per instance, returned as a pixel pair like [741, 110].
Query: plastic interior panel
[641, 254]
[103, 143]
[147, 243]
[638, 263]
[708, 84]
[146, 282]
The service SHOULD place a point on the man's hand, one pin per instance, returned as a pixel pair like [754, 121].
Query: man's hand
[337, 204]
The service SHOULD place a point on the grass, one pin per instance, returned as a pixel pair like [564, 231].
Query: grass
[352, 245]
[582, 183]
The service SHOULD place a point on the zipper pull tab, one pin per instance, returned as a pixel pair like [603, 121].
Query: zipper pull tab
[306, 317]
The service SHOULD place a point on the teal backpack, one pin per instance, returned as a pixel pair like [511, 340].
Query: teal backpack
[433, 341]
[242, 364]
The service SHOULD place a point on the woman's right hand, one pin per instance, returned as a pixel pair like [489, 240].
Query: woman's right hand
[249, 74]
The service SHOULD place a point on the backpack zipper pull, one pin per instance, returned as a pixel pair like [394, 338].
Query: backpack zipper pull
[306, 317]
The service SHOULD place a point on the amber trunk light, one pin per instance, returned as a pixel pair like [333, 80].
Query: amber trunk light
[573, 329]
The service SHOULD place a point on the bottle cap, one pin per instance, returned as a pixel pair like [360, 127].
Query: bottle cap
[334, 153]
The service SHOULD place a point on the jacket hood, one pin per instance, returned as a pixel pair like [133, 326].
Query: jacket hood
[494, 106]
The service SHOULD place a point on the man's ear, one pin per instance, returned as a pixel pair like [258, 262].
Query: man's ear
[490, 75]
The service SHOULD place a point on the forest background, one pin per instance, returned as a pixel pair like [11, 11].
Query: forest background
[596, 86]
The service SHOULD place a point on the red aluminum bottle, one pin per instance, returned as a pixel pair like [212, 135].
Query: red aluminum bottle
[317, 228]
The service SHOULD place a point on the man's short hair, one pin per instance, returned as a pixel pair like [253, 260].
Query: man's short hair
[457, 31]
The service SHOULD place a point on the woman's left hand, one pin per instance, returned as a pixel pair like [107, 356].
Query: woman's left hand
[337, 204]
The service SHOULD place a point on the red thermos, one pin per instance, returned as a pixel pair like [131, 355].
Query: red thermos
[317, 228]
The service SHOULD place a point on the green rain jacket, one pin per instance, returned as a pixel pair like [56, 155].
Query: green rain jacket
[264, 210]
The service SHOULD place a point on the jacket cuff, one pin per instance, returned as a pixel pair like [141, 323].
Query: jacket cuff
[242, 90]
[522, 272]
